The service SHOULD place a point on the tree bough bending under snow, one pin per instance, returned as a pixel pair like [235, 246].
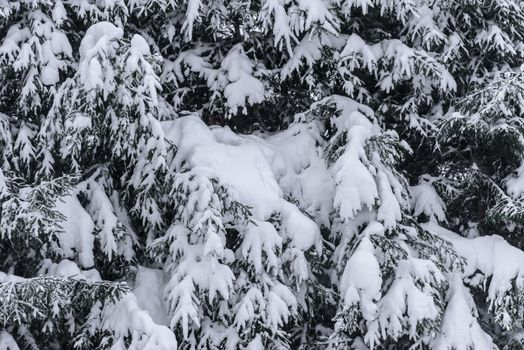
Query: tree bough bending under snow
[274, 174]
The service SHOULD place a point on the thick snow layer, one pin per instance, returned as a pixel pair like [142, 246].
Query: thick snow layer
[139, 314]
[7, 342]
[356, 49]
[405, 296]
[252, 167]
[308, 51]
[124, 317]
[77, 235]
[260, 239]
[97, 37]
[362, 279]
[58, 44]
[127, 318]
[361, 179]
[242, 88]
[10, 278]
[148, 290]
[97, 40]
[49, 75]
[299, 168]
[317, 11]
[103, 212]
[425, 200]
[140, 45]
[23, 143]
[68, 268]
[356, 186]
[460, 329]
[491, 255]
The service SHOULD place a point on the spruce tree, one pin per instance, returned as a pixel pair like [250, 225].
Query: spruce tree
[276, 174]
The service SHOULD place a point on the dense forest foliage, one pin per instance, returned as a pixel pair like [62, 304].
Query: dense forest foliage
[274, 174]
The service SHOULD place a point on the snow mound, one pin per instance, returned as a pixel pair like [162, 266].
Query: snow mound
[149, 284]
[252, 166]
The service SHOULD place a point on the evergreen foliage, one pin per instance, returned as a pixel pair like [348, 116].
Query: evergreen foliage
[273, 174]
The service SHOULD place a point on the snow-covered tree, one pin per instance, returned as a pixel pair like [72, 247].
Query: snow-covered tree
[236, 251]
[272, 174]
